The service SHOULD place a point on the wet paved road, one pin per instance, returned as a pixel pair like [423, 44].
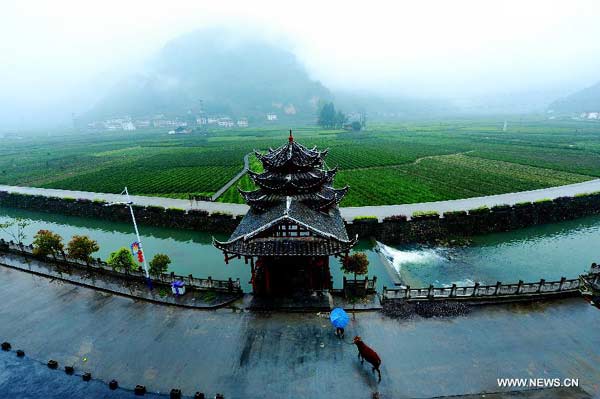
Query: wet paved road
[294, 355]
[349, 213]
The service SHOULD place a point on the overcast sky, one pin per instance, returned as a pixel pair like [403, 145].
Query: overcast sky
[59, 52]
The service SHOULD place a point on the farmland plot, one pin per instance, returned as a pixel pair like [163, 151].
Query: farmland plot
[446, 177]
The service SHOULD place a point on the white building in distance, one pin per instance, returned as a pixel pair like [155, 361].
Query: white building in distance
[225, 122]
[128, 126]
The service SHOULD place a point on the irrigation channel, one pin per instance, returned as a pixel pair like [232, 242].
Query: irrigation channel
[563, 249]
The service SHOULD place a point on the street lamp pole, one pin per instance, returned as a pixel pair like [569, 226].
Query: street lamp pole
[129, 203]
[137, 233]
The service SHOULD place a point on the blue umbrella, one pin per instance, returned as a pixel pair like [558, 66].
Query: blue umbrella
[339, 318]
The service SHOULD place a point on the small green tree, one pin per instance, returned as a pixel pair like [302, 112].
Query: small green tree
[356, 126]
[15, 229]
[340, 119]
[82, 247]
[159, 264]
[46, 242]
[357, 263]
[326, 118]
[121, 259]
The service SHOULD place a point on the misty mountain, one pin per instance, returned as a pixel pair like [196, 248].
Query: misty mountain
[217, 72]
[385, 108]
[586, 100]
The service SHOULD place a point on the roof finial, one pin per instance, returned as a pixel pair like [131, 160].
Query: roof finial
[291, 137]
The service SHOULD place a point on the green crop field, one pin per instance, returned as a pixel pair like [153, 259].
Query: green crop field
[446, 177]
[386, 164]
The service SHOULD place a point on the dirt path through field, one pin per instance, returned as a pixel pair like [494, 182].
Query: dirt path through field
[415, 162]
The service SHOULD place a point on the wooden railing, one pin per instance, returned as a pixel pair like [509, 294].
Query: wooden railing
[360, 287]
[483, 292]
[101, 267]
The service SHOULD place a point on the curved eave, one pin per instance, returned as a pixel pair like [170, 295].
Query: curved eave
[254, 233]
[290, 154]
[283, 185]
[287, 247]
[251, 195]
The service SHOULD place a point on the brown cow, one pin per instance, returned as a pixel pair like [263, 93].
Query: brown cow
[364, 352]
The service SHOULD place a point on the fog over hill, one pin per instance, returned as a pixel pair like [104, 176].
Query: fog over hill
[586, 100]
[217, 72]
[392, 59]
[220, 72]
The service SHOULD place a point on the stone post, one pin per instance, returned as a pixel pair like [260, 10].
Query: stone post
[542, 282]
[562, 283]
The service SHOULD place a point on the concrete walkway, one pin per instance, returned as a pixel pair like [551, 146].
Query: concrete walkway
[475, 202]
[274, 355]
[233, 180]
[234, 209]
[348, 213]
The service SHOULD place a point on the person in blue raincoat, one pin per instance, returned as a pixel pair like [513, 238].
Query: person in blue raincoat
[339, 319]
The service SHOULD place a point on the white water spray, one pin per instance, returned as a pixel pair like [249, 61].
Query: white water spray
[397, 258]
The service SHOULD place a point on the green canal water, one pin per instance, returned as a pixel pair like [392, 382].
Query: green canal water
[549, 251]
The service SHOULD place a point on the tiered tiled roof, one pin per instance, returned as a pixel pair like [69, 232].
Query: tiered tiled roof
[294, 170]
[291, 157]
[321, 200]
[294, 189]
[251, 237]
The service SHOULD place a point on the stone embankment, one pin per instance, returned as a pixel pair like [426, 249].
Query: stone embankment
[420, 227]
[431, 226]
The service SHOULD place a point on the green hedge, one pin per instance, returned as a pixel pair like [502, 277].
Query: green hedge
[422, 214]
[395, 218]
[365, 219]
[479, 211]
[455, 213]
[219, 213]
[524, 204]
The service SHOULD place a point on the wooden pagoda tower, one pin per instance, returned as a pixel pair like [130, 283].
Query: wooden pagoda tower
[293, 225]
